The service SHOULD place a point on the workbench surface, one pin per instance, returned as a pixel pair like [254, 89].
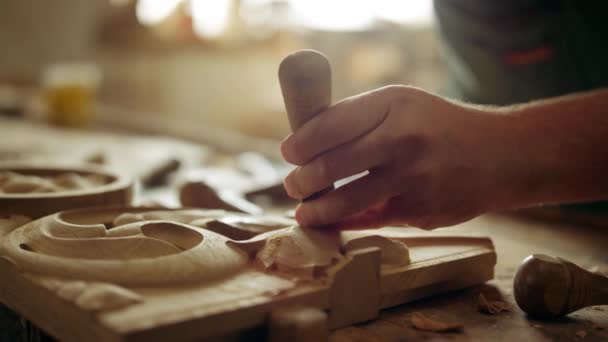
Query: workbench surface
[515, 238]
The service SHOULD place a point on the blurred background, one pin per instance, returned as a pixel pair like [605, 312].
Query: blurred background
[195, 69]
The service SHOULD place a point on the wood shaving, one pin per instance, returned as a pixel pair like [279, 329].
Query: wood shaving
[422, 322]
[492, 307]
[581, 333]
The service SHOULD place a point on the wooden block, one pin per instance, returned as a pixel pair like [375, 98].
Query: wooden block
[355, 292]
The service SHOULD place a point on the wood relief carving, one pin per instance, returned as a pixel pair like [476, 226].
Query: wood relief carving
[18, 183]
[142, 270]
[35, 190]
[93, 296]
[78, 245]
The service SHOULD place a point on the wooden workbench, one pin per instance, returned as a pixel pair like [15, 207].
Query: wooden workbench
[515, 237]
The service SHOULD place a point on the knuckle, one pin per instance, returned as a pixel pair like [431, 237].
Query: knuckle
[292, 184]
[296, 152]
[317, 214]
[324, 170]
[407, 148]
[377, 141]
[400, 94]
[395, 89]
[426, 224]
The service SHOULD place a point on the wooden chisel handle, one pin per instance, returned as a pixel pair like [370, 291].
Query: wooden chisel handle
[305, 78]
[551, 287]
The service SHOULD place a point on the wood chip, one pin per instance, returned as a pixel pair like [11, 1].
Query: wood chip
[581, 333]
[422, 322]
[492, 307]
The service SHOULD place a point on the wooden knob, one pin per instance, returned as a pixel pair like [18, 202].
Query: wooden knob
[305, 78]
[550, 287]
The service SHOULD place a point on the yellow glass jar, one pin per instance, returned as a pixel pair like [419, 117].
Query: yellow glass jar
[70, 93]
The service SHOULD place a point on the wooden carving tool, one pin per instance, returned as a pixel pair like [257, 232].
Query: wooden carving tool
[198, 194]
[305, 78]
[550, 287]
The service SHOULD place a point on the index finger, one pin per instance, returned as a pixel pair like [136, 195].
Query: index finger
[345, 121]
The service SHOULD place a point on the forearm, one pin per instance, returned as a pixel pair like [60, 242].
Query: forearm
[434, 162]
[560, 149]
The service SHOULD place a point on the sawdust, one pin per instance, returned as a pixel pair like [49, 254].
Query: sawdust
[424, 323]
[492, 307]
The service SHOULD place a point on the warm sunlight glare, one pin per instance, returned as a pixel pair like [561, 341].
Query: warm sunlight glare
[151, 12]
[348, 15]
[210, 17]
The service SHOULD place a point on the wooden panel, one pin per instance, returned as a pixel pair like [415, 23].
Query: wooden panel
[116, 298]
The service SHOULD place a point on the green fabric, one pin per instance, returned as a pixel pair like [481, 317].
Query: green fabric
[478, 34]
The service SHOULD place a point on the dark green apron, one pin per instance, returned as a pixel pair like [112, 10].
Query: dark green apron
[505, 52]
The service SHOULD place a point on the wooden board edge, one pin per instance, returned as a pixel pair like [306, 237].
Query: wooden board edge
[240, 319]
[43, 308]
[460, 280]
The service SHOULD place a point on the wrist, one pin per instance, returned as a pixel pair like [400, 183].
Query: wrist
[530, 158]
[513, 157]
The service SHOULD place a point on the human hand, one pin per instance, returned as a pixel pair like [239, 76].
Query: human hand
[431, 162]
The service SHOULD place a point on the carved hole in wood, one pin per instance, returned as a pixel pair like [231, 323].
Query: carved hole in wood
[178, 235]
[26, 247]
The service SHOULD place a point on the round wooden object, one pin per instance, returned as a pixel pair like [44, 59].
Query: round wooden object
[550, 287]
[116, 191]
[126, 246]
[305, 78]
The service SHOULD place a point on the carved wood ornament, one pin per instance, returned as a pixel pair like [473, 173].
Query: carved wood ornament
[141, 269]
[36, 190]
